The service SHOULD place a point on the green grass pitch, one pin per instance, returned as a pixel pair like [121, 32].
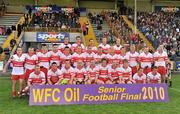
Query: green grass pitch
[20, 106]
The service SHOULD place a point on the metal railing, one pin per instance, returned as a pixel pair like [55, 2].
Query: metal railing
[51, 29]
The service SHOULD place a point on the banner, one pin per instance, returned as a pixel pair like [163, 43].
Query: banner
[167, 9]
[97, 94]
[51, 36]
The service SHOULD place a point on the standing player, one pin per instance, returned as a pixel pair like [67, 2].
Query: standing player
[30, 62]
[133, 58]
[111, 56]
[43, 58]
[78, 43]
[104, 45]
[80, 73]
[68, 72]
[91, 45]
[66, 55]
[146, 59]
[37, 77]
[114, 73]
[99, 55]
[122, 56]
[78, 55]
[54, 74]
[161, 59]
[89, 54]
[17, 61]
[92, 73]
[55, 55]
[65, 44]
[154, 77]
[118, 46]
[103, 72]
[125, 72]
[139, 77]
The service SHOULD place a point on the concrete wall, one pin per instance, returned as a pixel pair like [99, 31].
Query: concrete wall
[142, 5]
[97, 4]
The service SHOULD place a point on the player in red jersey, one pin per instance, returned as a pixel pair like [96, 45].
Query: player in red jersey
[77, 43]
[125, 72]
[114, 73]
[92, 73]
[37, 77]
[91, 45]
[78, 55]
[139, 77]
[55, 55]
[68, 72]
[103, 72]
[66, 55]
[65, 44]
[104, 45]
[111, 56]
[154, 77]
[30, 62]
[80, 73]
[54, 74]
[122, 56]
[89, 54]
[44, 59]
[133, 58]
[118, 46]
[99, 55]
[17, 61]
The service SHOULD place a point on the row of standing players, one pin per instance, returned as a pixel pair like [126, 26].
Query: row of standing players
[79, 65]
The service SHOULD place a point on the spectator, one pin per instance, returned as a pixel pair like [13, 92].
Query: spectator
[7, 54]
[12, 43]
[84, 28]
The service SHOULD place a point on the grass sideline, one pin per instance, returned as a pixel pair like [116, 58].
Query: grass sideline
[20, 106]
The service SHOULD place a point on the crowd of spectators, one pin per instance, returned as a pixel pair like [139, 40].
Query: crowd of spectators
[124, 32]
[59, 19]
[161, 28]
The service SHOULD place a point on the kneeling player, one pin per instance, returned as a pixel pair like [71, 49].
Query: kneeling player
[35, 78]
[92, 73]
[67, 72]
[154, 77]
[114, 73]
[54, 75]
[103, 73]
[139, 77]
[80, 73]
[125, 73]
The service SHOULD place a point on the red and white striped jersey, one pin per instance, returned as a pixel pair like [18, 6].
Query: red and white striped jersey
[133, 58]
[105, 47]
[55, 57]
[154, 78]
[145, 59]
[67, 73]
[139, 79]
[117, 49]
[112, 58]
[30, 61]
[62, 46]
[103, 71]
[18, 64]
[126, 73]
[122, 57]
[44, 59]
[74, 47]
[160, 59]
[113, 72]
[98, 57]
[89, 57]
[92, 72]
[76, 57]
[54, 76]
[94, 49]
[36, 78]
[80, 73]
[65, 57]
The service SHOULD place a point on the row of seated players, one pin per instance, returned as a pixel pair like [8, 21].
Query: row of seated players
[24, 64]
[103, 74]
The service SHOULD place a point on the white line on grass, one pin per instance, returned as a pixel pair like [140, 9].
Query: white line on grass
[175, 89]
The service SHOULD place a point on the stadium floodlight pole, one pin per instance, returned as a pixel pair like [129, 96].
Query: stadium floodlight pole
[135, 16]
